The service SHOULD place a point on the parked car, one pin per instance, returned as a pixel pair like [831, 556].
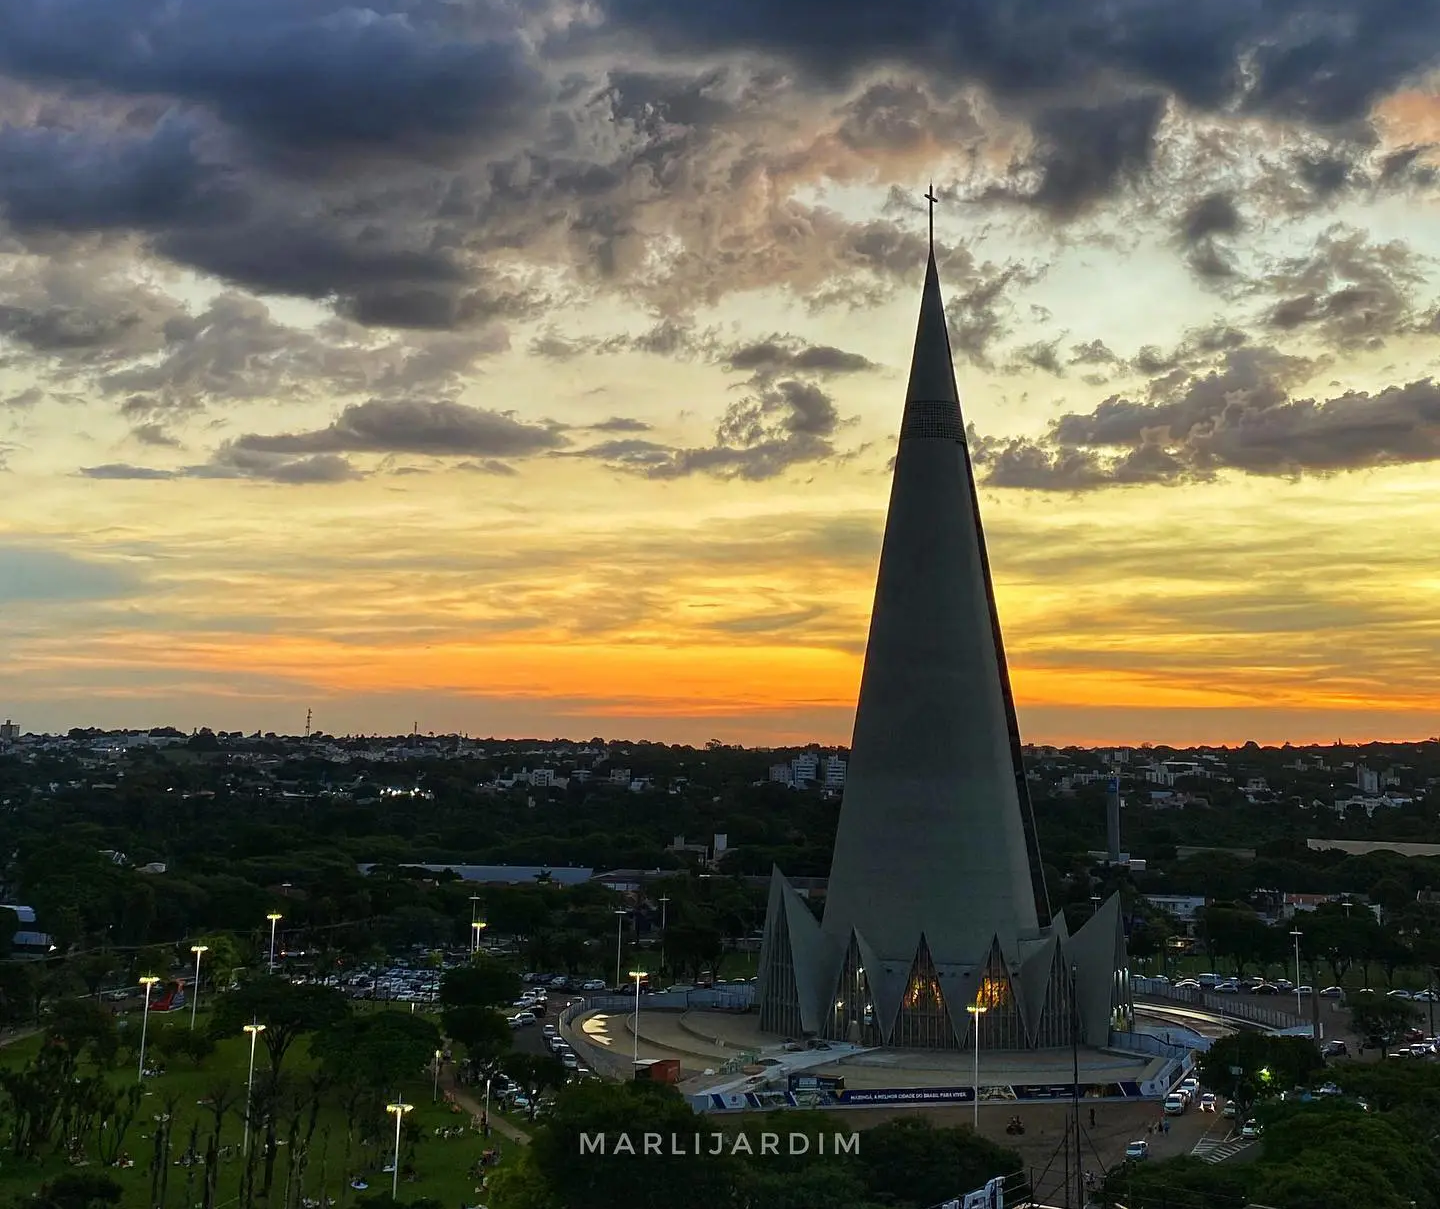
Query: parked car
[1398, 993]
[1176, 1103]
[1333, 993]
[521, 1019]
[1266, 988]
[1137, 1150]
[1228, 1110]
[1335, 1049]
[1251, 1129]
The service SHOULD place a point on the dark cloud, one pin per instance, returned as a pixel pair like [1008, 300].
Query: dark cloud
[1213, 214]
[620, 424]
[1043, 355]
[1083, 153]
[982, 313]
[124, 470]
[1093, 352]
[442, 429]
[297, 73]
[154, 434]
[1240, 417]
[899, 116]
[488, 466]
[780, 425]
[1347, 289]
[1317, 60]
[67, 181]
[779, 354]
[233, 461]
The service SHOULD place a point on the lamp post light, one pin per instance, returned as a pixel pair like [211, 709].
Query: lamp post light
[976, 1010]
[274, 917]
[474, 919]
[148, 981]
[637, 975]
[477, 927]
[435, 1091]
[619, 938]
[254, 1028]
[664, 904]
[487, 1102]
[399, 1109]
[1297, 934]
[195, 998]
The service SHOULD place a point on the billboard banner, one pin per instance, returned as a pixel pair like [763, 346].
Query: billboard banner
[992, 1196]
[906, 1095]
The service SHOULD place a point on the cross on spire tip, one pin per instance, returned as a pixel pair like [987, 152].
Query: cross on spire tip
[933, 200]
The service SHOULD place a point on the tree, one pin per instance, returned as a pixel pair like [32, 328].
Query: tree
[915, 1161]
[562, 1175]
[1235, 931]
[85, 1029]
[1193, 1183]
[78, 1190]
[377, 1050]
[484, 1032]
[1265, 1064]
[1381, 1020]
[286, 1009]
[483, 983]
[536, 1073]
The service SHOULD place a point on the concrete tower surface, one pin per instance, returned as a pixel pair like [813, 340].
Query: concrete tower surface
[936, 899]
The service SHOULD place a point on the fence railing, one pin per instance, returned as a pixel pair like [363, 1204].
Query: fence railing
[1221, 1005]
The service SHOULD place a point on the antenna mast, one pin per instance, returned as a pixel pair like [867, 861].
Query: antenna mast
[307, 723]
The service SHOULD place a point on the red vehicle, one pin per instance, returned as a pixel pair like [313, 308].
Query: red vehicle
[168, 996]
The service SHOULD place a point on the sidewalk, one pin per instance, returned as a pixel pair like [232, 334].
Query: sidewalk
[477, 1107]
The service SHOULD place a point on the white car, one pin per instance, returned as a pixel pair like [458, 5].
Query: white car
[1251, 1129]
[1139, 1149]
[1208, 1102]
[1176, 1103]
[521, 1019]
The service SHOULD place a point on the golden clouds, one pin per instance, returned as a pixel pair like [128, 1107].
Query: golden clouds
[1224, 600]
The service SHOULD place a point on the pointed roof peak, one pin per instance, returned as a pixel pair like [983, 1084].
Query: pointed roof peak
[931, 393]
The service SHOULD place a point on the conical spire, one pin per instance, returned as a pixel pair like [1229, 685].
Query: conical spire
[932, 404]
[932, 835]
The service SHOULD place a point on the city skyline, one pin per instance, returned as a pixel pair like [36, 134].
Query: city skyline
[546, 380]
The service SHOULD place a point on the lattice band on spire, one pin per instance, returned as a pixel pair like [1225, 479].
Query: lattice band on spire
[937, 420]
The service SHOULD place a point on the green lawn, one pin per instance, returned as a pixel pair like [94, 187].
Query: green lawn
[441, 1165]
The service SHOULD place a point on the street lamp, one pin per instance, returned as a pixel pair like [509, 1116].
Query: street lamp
[1297, 934]
[435, 1091]
[474, 919]
[274, 917]
[664, 904]
[148, 981]
[195, 998]
[477, 926]
[637, 975]
[254, 1029]
[399, 1109]
[620, 915]
[487, 1102]
[976, 1010]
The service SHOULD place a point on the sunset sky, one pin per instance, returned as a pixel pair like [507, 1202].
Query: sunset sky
[534, 368]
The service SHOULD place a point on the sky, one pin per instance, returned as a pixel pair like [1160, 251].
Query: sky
[534, 369]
